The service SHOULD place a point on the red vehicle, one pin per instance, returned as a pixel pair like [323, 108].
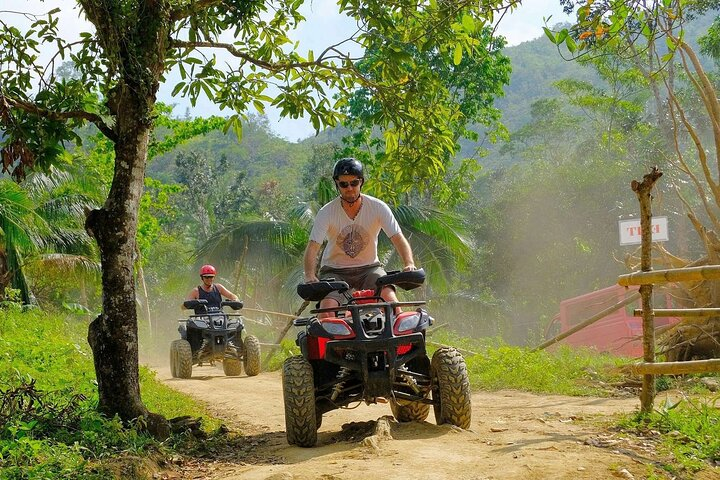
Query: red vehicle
[619, 333]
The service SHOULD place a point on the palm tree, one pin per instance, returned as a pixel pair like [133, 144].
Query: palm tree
[21, 230]
[274, 249]
[41, 222]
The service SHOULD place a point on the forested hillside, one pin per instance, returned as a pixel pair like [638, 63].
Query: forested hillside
[539, 216]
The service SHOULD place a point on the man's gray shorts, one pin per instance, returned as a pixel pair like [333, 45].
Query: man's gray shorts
[359, 278]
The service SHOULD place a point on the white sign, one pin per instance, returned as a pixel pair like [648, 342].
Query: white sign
[630, 232]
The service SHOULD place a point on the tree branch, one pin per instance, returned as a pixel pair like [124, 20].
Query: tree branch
[192, 8]
[30, 107]
[273, 67]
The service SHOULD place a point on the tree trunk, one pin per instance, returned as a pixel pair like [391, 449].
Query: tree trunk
[113, 335]
[136, 48]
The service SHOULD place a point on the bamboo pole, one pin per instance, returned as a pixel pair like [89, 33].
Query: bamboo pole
[681, 312]
[689, 274]
[284, 332]
[141, 277]
[631, 298]
[279, 314]
[674, 368]
[643, 191]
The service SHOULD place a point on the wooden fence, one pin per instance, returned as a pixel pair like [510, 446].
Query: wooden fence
[646, 278]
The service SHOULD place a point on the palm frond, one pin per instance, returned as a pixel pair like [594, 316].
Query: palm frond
[287, 238]
[67, 262]
[70, 241]
[445, 229]
[67, 205]
[303, 213]
[20, 225]
[39, 183]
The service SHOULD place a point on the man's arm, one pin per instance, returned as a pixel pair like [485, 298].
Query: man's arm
[403, 248]
[310, 261]
[226, 293]
[193, 295]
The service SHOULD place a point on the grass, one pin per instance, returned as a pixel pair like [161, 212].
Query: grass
[565, 371]
[688, 430]
[49, 426]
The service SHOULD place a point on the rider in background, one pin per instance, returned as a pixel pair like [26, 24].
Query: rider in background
[351, 224]
[212, 292]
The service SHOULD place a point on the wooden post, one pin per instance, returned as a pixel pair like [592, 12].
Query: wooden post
[643, 192]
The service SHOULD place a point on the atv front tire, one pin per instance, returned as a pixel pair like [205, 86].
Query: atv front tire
[450, 388]
[252, 356]
[408, 411]
[232, 367]
[299, 399]
[180, 359]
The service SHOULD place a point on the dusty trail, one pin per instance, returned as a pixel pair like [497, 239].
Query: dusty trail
[513, 435]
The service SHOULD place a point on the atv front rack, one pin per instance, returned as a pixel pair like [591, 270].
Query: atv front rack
[352, 306]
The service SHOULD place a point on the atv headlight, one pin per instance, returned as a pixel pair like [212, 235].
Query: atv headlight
[407, 322]
[337, 328]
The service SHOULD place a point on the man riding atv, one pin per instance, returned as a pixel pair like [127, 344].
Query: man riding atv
[207, 290]
[212, 335]
[351, 224]
[359, 346]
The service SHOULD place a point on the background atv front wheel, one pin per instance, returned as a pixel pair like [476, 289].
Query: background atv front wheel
[451, 388]
[299, 398]
[252, 356]
[232, 367]
[407, 411]
[180, 359]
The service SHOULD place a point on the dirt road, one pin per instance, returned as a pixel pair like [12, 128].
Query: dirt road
[513, 435]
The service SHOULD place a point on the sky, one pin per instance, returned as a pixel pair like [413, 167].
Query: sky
[323, 27]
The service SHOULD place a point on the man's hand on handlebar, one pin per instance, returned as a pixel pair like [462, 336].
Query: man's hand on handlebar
[311, 278]
[409, 268]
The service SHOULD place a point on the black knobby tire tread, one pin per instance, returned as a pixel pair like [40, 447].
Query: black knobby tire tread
[181, 354]
[407, 411]
[299, 399]
[453, 388]
[173, 361]
[232, 367]
[252, 355]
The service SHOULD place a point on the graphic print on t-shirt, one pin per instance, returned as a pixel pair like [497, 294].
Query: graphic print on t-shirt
[352, 239]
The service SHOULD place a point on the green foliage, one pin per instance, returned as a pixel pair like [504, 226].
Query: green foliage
[287, 349]
[494, 365]
[442, 93]
[690, 430]
[49, 426]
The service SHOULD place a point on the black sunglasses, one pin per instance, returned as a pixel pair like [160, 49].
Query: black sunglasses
[207, 276]
[353, 183]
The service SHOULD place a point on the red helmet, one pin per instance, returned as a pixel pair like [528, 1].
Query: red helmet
[207, 270]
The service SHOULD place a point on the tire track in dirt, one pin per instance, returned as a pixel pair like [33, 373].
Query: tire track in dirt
[513, 435]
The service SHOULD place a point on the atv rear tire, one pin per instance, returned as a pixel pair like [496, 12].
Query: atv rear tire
[451, 388]
[232, 367]
[299, 399]
[180, 359]
[252, 356]
[408, 411]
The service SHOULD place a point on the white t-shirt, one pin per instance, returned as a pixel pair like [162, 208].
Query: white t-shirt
[353, 243]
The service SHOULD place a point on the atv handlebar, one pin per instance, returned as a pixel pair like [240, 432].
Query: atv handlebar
[195, 303]
[316, 291]
[192, 304]
[234, 304]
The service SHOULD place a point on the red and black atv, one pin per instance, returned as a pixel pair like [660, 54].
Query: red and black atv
[365, 352]
[211, 335]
